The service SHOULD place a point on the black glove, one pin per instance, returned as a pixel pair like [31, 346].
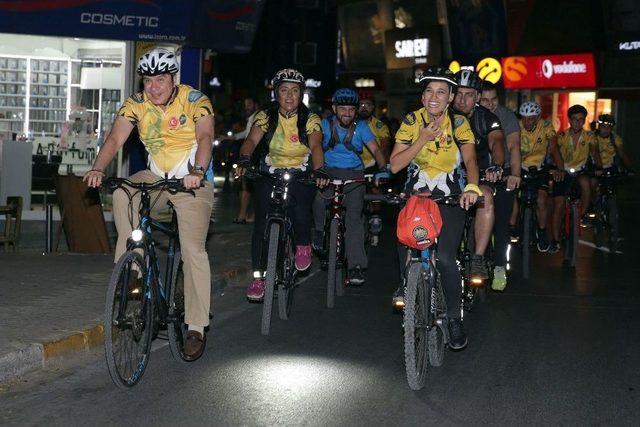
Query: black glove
[320, 173]
[244, 162]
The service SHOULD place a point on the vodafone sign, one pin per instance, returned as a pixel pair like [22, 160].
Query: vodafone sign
[551, 71]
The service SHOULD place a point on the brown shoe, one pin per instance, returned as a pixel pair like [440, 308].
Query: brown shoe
[194, 345]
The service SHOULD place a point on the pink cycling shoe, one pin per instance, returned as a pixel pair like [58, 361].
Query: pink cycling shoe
[303, 257]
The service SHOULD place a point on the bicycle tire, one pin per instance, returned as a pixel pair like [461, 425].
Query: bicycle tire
[415, 327]
[286, 288]
[118, 337]
[575, 236]
[614, 224]
[177, 330]
[270, 277]
[435, 341]
[332, 267]
[526, 242]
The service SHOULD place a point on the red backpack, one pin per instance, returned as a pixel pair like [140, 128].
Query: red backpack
[419, 223]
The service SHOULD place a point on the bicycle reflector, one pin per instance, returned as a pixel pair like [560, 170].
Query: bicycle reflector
[136, 235]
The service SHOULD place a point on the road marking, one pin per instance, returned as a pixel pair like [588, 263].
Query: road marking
[592, 245]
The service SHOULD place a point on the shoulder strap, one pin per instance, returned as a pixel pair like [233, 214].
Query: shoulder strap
[347, 139]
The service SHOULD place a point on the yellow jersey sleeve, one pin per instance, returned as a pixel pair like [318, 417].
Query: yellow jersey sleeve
[462, 130]
[130, 109]
[199, 105]
[261, 121]
[408, 131]
[549, 131]
[313, 124]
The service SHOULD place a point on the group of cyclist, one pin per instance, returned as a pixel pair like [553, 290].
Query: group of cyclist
[461, 142]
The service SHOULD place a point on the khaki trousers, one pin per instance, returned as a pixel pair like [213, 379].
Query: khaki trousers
[193, 222]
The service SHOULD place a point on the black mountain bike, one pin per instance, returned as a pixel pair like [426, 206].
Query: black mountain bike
[279, 239]
[140, 301]
[528, 219]
[334, 232]
[606, 219]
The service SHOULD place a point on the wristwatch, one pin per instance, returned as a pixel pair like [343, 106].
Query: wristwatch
[198, 169]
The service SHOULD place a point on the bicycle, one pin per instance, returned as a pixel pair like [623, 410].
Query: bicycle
[529, 188]
[336, 263]
[279, 239]
[572, 218]
[139, 301]
[606, 210]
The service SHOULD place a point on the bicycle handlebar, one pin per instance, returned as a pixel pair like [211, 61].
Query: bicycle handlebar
[281, 174]
[172, 185]
[402, 197]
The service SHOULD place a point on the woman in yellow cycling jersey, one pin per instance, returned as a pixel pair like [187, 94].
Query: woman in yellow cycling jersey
[287, 136]
[433, 143]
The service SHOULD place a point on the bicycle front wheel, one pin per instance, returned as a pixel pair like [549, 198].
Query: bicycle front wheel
[176, 328]
[270, 277]
[416, 319]
[332, 269]
[128, 321]
[527, 229]
[285, 289]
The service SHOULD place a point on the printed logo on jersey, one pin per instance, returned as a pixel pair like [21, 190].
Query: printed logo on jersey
[183, 119]
[379, 125]
[294, 138]
[194, 95]
[173, 122]
[409, 119]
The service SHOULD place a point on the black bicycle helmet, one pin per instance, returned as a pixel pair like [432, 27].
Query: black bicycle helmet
[606, 119]
[575, 109]
[345, 96]
[470, 79]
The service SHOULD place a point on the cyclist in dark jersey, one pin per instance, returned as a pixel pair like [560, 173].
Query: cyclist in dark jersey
[490, 156]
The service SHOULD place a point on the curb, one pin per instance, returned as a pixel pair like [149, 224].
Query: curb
[38, 355]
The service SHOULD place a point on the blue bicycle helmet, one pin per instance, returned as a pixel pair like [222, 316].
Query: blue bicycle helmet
[345, 96]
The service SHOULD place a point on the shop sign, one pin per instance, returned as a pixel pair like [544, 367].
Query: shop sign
[312, 83]
[488, 69]
[550, 71]
[405, 48]
[365, 83]
[629, 46]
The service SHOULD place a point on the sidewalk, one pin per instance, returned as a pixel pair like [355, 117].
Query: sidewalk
[52, 305]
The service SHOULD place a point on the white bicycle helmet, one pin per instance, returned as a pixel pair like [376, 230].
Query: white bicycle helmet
[158, 61]
[530, 109]
[288, 75]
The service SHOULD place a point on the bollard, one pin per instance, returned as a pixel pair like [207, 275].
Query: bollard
[49, 229]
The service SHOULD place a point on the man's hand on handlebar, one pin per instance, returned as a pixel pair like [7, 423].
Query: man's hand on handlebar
[93, 178]
[468, 199]
[557, 174]
[493, 174]
[193, 180]
[244, 163]
[321, 177]
[513, 182]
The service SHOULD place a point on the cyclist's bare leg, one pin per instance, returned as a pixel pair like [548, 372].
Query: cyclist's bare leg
[558, 212]
[485, 218]
[541, 209]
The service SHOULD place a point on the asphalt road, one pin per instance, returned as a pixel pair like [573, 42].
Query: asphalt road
[561, 348]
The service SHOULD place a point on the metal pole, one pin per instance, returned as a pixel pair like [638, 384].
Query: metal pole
[49, 229]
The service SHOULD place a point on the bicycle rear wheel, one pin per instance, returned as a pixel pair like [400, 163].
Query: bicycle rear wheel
[415, 327]
[176, 328]
[128, 321]
[332, 269]
[285, 289]
[270, 277]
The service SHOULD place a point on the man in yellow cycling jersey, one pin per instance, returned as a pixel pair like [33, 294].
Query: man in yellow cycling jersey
[377, 126]
[537, 138]
[577, 146]
[610, 144]
[175, 123]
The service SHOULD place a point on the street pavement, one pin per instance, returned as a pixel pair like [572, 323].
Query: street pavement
[560, 348]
